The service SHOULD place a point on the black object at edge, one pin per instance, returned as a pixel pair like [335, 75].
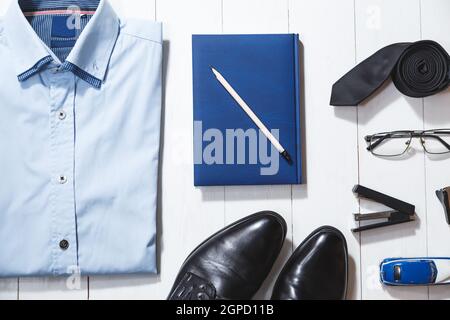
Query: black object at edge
[403, 212]
[443, 198]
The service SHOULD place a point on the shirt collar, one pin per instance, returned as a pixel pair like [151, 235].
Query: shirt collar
[89, 58]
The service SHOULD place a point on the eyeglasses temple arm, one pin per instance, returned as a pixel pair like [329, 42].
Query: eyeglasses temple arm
[376, 143]
[440, 140]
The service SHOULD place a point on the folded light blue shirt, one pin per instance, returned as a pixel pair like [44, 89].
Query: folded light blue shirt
[80, 111]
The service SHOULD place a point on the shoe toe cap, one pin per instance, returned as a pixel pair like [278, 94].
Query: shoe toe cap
[237, 259]
[317, 269]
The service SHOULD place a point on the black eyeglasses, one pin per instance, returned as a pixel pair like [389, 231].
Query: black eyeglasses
[396, 143]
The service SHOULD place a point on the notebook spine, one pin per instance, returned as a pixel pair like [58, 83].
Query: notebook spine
[297, 84]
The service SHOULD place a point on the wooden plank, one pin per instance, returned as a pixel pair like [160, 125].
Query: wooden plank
[256, 16]
[377, 25]
[9, 289]
[326, 31]
[436, 26]
[44, 288]
[4, 4]
[138, 9]
[187, 215]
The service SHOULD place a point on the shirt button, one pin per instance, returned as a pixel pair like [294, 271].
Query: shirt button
[62, 179]
[62, 115]
[64, 244]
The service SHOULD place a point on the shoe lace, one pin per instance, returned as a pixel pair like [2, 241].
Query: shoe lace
[193, 287]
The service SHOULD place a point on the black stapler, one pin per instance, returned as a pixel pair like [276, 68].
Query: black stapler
[402, 211]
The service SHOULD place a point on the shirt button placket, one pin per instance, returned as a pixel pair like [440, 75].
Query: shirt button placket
[62, 127]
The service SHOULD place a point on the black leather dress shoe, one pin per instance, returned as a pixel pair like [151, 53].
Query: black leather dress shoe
[317, 270]
[233, 263]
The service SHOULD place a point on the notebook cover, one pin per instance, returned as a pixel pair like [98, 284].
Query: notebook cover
[264, 71]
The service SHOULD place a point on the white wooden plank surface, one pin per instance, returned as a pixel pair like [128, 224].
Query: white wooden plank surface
[138, 9]
[436, 26]
[51, 288]
[335, 35]
[9, 289]
[256, 16]
[326, 31]
[4, 6]
[377, 25]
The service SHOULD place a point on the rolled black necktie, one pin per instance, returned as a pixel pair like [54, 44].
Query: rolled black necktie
[418, 70]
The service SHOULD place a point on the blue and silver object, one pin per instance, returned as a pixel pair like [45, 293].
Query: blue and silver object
[415, 271]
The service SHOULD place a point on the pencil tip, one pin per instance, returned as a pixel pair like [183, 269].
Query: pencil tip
[214, 70]
[287, 156]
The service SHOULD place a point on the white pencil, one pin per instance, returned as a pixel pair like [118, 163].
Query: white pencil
[252, 115]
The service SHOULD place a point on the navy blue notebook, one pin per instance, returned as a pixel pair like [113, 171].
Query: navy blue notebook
[229, 149]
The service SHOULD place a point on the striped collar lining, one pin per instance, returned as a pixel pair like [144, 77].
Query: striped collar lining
[66, 66]
[47, 5]
[32, 8]
[52, 12]
[88, 59]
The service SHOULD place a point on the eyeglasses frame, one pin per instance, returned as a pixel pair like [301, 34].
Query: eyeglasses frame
[421, 134]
